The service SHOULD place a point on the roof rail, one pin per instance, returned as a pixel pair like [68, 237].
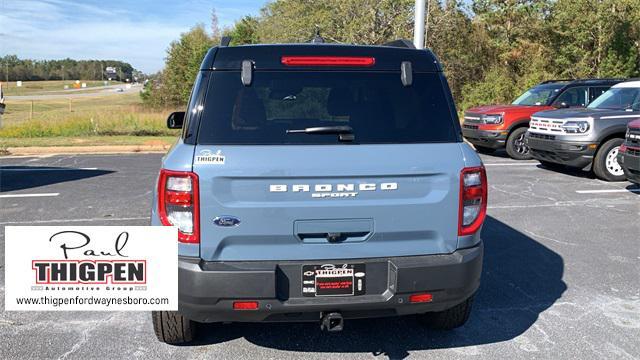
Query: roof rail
[556, 80]
[317, 39]
[402, 43]
[585, 80]
[602, 79]
[225, 40]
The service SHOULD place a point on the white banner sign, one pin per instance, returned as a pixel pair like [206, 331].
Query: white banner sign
[108, 268]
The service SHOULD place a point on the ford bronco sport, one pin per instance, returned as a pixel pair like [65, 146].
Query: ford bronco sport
[629, 155]
[318, 182]
[503, 126]
[587, 138]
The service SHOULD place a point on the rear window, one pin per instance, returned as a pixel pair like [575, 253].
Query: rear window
[375, 105]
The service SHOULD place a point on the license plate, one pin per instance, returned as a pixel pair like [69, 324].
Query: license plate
[333, 280]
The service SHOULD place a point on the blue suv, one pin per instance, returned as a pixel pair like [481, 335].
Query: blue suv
[320, 182]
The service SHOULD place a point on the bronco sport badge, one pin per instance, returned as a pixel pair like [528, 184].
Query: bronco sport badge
[334, 191]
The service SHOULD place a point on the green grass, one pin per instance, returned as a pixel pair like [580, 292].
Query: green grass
[38, 87]
[114, 115]
[61, 109]
[87, 141]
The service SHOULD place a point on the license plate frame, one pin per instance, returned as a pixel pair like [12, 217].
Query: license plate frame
[333, 280]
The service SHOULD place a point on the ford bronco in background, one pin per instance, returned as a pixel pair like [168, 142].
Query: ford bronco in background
[318, 182]
[590, 137]
[629, 154]
[503, 126]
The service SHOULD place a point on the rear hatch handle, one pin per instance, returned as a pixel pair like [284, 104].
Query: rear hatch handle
[333, 231]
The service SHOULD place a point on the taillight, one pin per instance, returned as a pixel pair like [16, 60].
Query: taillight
[327, 61]
[473, 200]
[178, 203]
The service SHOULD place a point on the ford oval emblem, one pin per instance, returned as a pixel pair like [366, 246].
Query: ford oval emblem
[226, 221]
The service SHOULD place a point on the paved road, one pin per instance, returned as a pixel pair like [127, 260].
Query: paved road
[561, 275]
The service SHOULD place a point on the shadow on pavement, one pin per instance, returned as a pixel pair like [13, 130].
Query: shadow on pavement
[634, 189]
[576, 172]
[521, 278]
[497, 153]
[14, 178]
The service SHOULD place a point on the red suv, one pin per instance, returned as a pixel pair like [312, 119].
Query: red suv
[503, 126]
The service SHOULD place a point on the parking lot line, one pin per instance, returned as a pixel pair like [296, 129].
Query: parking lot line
[607, 191]
[28, 195]
[50, 169]
[513, 164]
[56, 221]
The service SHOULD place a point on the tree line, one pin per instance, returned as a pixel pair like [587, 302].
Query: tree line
[491, 50]
[13, 68]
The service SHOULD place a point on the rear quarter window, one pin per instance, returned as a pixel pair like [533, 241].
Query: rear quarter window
[375, 104]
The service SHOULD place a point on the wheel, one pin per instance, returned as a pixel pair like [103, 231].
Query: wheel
[450, 318]
[484, 150]
[605, 163]
[172, 328]
[516, 147]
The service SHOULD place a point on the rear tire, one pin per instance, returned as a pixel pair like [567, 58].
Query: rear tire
[516, 147]
[605, 163]
[484, 150]
[451, 318]
[173, 328]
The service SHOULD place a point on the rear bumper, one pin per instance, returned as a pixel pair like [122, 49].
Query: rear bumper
[489, 139]
[631, 165]
[207, 290]
[570, 153]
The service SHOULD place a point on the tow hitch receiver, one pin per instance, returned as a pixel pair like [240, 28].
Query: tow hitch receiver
[332, 322]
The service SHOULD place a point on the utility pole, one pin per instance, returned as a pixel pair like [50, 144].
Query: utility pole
[426, 26]
[6, 72]
[418, 30]
[62, 73]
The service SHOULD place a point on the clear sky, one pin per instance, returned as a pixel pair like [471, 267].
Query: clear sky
[135, 31]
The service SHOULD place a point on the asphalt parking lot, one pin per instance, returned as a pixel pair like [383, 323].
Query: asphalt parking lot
[561, 274]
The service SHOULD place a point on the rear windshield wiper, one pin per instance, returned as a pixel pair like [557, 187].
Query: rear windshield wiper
[345, 133]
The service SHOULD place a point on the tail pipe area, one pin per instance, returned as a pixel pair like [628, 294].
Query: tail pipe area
[331, 322]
